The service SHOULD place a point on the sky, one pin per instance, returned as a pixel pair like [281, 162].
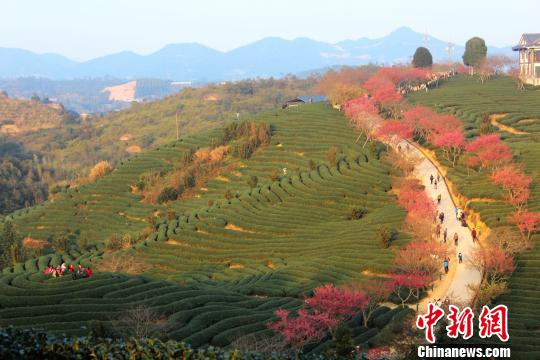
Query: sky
[84, 29]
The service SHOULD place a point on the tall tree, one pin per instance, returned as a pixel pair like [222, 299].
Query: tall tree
[475, 52]
[422, 58]
[10, 247]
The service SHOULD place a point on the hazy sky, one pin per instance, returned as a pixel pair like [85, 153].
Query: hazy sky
[82, 29]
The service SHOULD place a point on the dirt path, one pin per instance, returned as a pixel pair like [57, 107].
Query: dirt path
[494, 119]
[453, 285]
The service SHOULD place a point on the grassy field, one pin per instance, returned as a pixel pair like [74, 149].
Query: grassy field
[470, 100]
[219, 269]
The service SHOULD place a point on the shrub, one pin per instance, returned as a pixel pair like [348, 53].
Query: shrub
[331, 155]
[385, 235]
[312, 165]
[341, 345]
[253, 181]
[102, 168]
[357, 213]
[189, 181]
[228, 194]
[167, 194]
[140, 322]
[114, 242]
[275, 175]
[122, 263]
[61, 243]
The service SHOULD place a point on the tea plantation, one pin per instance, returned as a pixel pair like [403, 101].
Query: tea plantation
[520, 109]
[218, 267]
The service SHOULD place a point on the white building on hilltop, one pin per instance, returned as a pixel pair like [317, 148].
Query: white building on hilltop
[529, 58]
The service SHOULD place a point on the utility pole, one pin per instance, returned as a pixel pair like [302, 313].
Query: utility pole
[177, 128]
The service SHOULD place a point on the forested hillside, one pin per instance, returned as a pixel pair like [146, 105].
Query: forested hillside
[19, 116]
[77, 147]
[22, 177]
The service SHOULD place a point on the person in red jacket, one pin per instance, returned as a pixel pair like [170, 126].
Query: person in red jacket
[473, 234]
[71, 268]
[88, 272]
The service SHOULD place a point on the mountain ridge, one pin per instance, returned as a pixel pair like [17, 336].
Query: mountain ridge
[267, 57]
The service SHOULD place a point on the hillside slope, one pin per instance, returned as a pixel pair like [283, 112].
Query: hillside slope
[520, 110]
[19, 116]
[74, 149]
[218, 265]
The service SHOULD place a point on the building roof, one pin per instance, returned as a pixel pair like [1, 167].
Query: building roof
[527, 40]
[313, 98]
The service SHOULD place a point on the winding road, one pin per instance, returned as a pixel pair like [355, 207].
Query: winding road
[453, 285]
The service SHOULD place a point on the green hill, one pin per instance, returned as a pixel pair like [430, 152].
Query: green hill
[519, 109]
[73, 149]
[217, 263]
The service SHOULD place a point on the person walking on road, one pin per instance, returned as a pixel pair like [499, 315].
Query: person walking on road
[438, 230]
[445, 264]
[438, 178]
[445, 234]
[439, 199]
[456, 239]
[460, 257]
[456, 210]
[431, 179]
[473, 234]
[435, 184]
[441, 217]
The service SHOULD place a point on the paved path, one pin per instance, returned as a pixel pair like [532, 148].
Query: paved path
[453, 285]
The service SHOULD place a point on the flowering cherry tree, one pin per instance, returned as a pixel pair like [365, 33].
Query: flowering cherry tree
[514, 182]
[393, 132]
[359, 104]
[320, 314]
[420, 257]
[376, 291]
[407, 285]
[452, 142]
[490, 151]
[527, 222]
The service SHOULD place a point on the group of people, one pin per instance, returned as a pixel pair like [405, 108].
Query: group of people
[461, 216]
[431, 82]
[64, 269]
[439, 220]
[446, 262]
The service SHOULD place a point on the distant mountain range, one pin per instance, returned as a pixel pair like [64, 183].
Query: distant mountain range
[197, 63]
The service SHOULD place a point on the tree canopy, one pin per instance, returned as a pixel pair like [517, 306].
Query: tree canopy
[422, 58]
[475, 51]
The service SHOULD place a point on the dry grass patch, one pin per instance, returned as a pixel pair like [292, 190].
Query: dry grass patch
[122, 262]
[235, 266]
[177, 243]
[238, 228]
[222, 178]
[31, 243]
[134, 149]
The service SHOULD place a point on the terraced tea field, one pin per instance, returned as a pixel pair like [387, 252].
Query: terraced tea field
[520, 110]
[219, 269]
